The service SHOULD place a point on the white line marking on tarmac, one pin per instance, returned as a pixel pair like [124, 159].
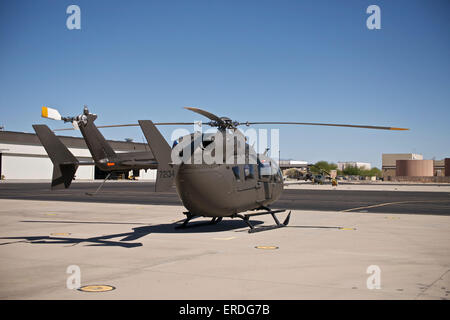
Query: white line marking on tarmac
[230, 238]
[393, 203]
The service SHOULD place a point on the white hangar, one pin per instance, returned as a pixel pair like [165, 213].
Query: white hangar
[23, 157]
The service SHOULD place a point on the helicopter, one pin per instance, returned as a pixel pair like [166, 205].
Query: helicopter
[216, 175]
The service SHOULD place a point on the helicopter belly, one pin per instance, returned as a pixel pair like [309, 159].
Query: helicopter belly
[212, 191]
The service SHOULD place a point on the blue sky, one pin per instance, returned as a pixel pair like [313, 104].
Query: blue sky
[309, 61]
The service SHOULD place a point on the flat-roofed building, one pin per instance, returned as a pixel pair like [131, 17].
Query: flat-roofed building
[388, 160]
[23, 157]
[414, 168]
[360, 165]
[447, 167]
[298, 164]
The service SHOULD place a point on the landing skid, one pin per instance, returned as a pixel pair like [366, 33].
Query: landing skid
[190, 216]
[246, 218]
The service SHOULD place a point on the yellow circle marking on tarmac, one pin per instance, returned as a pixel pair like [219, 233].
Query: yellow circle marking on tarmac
[60, 234]
[96, 288]
[267, 247]
[347, 228]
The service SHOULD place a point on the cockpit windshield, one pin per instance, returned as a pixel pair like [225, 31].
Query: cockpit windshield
[269, 170]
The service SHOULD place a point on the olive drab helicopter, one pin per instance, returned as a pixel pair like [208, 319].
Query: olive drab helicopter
[237, 180]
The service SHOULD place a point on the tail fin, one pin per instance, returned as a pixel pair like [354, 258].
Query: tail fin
[64, 163]
[162, 152]
[96, 142]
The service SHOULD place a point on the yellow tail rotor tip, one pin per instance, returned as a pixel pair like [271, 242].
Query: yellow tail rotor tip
[44, 112]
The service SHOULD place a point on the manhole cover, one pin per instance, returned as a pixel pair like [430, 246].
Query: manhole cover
[97, 288]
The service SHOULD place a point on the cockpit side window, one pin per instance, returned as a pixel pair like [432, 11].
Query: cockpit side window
[264, 170]
[269, 170]
[236, 173]
[206, 143]
[249, 172]
[279, 175]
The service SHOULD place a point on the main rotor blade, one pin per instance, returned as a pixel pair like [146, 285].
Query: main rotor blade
[324, 124]
[207, 114]
[137, 125]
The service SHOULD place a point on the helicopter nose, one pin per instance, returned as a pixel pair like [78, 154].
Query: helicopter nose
[204, 191]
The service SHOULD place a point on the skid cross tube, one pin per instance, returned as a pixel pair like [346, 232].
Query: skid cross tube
[246, 218]
[190, 216]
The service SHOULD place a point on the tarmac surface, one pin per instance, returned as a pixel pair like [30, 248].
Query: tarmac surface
[119, 238]
[294, 197]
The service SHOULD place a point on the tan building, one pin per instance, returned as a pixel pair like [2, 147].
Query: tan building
[388, 166]
[439, 168]
[414, 168]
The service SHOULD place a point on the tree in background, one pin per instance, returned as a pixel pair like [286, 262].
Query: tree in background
[355, 171]
[351, 171]
[321, 166]
[372, 172]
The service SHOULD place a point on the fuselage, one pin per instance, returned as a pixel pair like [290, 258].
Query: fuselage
[221, 190]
